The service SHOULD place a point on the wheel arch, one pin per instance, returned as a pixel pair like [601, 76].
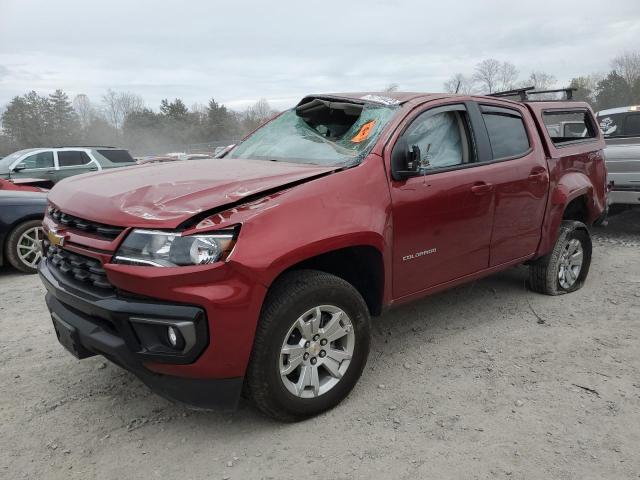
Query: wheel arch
[362, 265]
[572, 199]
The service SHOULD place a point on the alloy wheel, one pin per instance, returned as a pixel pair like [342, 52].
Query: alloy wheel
[316, 351]
[29, 247]
[570, 264]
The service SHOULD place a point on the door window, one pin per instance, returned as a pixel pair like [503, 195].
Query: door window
[441, 137]
[37, 160]
[507, 134]
[632, 124]
[73, 159]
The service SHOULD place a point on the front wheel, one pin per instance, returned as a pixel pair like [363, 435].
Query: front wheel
[23, 248]
[310, 347]
[565, 269]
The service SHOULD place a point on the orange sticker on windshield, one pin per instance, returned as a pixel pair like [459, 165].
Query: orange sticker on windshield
[364, 132]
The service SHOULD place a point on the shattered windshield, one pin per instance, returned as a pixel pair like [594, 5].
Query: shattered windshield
[319, 132]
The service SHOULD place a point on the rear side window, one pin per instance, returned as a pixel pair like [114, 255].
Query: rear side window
[507, 132]
[568, 126]
[632, 124]
[73, 159]
[117, 156]
[626, 124]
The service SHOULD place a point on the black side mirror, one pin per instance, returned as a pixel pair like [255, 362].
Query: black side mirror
[19, 167]
[405, 160]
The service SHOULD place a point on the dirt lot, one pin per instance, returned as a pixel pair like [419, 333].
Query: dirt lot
[488, 380]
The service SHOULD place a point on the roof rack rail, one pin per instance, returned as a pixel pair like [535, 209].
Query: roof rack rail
[568, 92]
[84, 146]
[524, 93]
[520, 92]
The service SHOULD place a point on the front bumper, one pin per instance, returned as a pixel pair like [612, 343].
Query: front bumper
[88, 324]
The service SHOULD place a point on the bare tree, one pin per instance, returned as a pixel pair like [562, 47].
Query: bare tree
[84, 109]
[459, 83]
[130, 103]
[627, 66]
[112, 108]
[118, 105]
[541, 80]
[488, 74]
[257, 114]
[392, 87]
[508, 76]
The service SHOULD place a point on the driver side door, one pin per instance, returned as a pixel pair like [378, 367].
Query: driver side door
[36, 165]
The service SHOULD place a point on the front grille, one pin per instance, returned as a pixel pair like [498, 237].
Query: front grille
[84, 269]
[78, 223]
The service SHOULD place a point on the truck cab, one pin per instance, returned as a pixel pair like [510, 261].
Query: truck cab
[258, 272]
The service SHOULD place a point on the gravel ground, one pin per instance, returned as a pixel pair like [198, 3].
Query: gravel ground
[487, 380]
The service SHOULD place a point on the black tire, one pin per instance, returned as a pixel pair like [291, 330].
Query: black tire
[11, 246]
[544, 272]
[293, 294]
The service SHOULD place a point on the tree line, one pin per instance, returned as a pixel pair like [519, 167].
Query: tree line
[123, 119]
[617, 88]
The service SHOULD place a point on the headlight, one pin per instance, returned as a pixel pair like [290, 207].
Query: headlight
[170, 249]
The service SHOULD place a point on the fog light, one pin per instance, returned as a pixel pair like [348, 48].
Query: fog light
[172, 335]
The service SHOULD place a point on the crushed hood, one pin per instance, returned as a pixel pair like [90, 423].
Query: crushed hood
[167, 194]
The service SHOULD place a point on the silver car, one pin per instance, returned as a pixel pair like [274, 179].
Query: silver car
[621, 127]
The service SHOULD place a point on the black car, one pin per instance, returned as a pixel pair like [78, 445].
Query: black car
[21, 216]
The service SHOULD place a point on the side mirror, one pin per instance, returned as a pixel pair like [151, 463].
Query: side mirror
[19, 167]
[405, 160]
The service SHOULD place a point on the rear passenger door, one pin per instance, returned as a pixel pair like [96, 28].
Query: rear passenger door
[520, 181]
[74, 162]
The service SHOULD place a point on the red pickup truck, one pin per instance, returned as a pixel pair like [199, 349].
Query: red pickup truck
[257, 273]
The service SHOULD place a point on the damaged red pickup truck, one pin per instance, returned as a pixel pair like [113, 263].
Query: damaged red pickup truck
[257, 273]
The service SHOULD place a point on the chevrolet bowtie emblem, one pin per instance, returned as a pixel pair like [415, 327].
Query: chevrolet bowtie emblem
[56, 238]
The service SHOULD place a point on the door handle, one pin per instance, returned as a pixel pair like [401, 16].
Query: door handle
[481, 188]
[50, 172]
[537, 176]
[93, 169]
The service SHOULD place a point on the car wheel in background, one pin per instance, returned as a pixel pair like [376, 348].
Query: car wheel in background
[311, 345]
[565, 269]
[23, 249]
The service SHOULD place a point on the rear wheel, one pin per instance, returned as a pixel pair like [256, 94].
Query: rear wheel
[565, 269]
[23, 247]
[311, 345]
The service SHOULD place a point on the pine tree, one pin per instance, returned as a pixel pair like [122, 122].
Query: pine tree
[221, 124]
[25, 120]
[62, 120]
[613, 91]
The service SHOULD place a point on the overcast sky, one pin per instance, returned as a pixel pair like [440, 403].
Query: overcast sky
[239, 51]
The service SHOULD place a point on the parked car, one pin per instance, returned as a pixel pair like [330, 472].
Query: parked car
[154, 159]
[259, 272]
[29, 186]
[21, 215]
[171, 157]
[54, 164]
[621, 127]
[200, 156]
